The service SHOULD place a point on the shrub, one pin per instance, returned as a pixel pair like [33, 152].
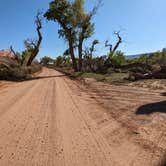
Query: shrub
[17, 73]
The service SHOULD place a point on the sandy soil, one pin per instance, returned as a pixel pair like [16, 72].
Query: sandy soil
[53, 120]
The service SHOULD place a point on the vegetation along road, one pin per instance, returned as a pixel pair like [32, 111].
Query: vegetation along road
[51, 120]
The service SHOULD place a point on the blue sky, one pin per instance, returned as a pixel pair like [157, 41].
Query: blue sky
[142, 24]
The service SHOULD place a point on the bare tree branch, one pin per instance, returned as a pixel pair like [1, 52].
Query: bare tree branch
[12, 50]
[30, 43]
[113, 49]
[108, 45]
[118, 42]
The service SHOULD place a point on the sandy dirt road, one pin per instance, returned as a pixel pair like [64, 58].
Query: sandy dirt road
[52, 121]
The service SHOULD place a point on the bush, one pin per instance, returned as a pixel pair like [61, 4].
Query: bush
[17, 73]
[33, 69]
[46, 60]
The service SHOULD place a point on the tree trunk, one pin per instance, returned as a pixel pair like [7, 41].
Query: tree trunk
[71, 49]
[37, 46]
[36, 49]
[80, 55]
[32, 57]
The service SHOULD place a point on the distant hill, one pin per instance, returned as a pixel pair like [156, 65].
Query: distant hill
[138, 55]
[6, 53]
[7, 57]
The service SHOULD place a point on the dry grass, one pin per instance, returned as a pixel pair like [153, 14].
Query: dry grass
[17, 73]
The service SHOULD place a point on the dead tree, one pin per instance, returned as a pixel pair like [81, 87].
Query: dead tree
[108, 45]
[12, 50]
[35, 44]
[114, 48]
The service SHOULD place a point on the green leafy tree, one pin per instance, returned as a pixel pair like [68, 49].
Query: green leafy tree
[62, 61]
[46, 60]
[118, 58]
[83, 22]
[143, 58]
[61, 11]
[22, 58]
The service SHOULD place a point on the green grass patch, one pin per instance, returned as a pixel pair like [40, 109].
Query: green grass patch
[110, 78]
[98, 77]
[117, 78]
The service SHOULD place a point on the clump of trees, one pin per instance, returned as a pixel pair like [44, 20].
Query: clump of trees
[46, 60]
[63, 61]
[76, 26]
[60, 61]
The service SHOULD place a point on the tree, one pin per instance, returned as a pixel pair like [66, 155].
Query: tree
[46, 60]
[61, 11]
[143, 59]
[34, 45]
[83, 21]
[112, 48]
[62, 61]
[88, 54]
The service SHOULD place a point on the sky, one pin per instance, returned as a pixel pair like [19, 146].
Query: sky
[142, 24]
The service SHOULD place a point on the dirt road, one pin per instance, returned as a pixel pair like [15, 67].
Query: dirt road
[52, 121]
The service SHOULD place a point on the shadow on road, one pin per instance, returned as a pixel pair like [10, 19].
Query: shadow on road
[31, 78]
[152, 108]
[163, 94]
[43, 77]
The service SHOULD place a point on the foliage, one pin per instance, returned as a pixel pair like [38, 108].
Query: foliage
[22, 58]
[118, 58]
[46, 60]
[62, 61]
[142, 59]
[17, 73]
[61, 11]
[4, 71]
[158, 57]
[115, 78]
